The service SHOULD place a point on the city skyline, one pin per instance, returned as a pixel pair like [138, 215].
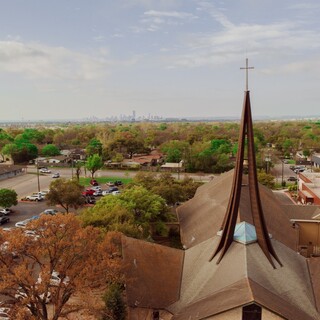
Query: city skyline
[171, 59]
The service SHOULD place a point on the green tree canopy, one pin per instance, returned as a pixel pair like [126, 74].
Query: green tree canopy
[175, 150]
[94, 163]
[94, 147]
[8, 198]
[135, 209]
[50, 150]
[66, 193]
[266, 179]
[21, 151]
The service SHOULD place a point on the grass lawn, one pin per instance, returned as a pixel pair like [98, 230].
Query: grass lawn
[102, 180]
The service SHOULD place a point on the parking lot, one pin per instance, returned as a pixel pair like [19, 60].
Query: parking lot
[25, 210]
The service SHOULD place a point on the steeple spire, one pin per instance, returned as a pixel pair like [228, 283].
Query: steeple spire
[230, 219]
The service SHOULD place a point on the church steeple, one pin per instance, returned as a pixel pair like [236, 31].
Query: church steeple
[230, 219]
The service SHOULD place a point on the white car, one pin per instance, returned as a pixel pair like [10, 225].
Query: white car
[20, 294]
[5, 211]
[55, 279]
[97, 193]
[22, 224]
[50, 211]
[34, 197]
[96, 188]
[4, 313]
[115, 193]
[45, 170]
[44, 193]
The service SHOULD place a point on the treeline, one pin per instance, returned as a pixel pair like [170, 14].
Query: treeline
[207, 147]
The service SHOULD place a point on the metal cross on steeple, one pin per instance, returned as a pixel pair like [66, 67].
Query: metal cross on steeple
[247, 68]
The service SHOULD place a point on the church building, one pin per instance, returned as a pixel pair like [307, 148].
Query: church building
[240, 259]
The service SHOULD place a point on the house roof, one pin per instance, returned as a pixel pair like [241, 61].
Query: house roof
[200, 289]
[244, 275]
[202, 216]
[298, 212]
[6, 168]
[153, 273]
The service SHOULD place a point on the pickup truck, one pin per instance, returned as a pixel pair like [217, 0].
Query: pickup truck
[34, 197]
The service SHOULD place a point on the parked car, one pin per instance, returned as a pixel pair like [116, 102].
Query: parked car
[299, 170]
[20, 295]
[90, 199]
[95, 188]
[115, 193]
[56, 175]
[55, 279]
[50, 211]
[110, 184]
[118, 183]
[292, 179]
[109, 191]
[22, 224]
[88, 192]
[4, 219]
[34, 197]
[45, 170]
[4, 313]
[5, 211]
[112, 189]
[32, 234]
[94, 182]
[97, 193]
[44, 193]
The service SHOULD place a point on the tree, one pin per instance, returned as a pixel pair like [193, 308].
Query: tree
[132, 212]
[21, 151]
[175, 150]
[79, 165]
[66, 193]
[94, 147]
[94, 163]
[8, 198]
[84, 259]
[112, 217]
[50, 150]
[115, 306]
[266, 179]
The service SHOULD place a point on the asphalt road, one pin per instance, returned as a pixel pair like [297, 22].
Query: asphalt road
[287, 172]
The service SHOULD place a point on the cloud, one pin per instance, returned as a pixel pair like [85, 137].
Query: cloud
[229, 42]
[151, 3]
[155, 19]
[305, 6]
[35, 60]
[170, 14]
[311, 66]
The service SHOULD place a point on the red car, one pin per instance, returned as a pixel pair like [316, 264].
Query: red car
[94, 182]
[88, 192]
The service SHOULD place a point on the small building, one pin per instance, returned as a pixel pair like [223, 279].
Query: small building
[315, 160]
[9, 171]
[309, 188]
[173, 167]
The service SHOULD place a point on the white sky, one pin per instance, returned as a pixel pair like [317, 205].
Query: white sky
[67, 59]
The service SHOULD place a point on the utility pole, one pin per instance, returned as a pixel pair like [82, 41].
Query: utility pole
[38, 177]
[282, 169]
